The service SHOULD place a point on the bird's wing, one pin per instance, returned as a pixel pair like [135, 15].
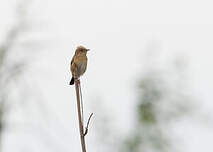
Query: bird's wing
[72, 61]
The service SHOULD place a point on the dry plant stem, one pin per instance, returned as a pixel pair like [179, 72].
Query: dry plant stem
[86, 129]
[81, 127]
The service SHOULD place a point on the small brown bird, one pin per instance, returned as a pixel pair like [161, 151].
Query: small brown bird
[79, 63]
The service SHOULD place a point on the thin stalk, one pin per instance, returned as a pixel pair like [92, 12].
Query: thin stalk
[81, 127]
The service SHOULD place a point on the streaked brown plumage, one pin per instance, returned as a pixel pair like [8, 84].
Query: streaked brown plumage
[79, 63]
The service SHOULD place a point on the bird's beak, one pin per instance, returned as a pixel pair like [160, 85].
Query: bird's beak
[88, 49]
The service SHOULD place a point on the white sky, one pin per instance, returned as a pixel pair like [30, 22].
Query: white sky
[117, 32]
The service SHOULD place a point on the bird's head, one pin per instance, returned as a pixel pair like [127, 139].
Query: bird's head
[81, 51]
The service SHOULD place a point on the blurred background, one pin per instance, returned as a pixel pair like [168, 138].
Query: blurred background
[148, 83]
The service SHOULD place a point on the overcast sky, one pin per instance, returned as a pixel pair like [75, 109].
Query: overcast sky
[118, 34]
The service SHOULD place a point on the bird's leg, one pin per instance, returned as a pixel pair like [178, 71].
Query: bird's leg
[77, 80]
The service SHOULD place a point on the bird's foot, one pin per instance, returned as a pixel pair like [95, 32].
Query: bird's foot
[77, 81]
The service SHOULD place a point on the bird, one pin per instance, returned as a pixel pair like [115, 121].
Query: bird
[78, 63]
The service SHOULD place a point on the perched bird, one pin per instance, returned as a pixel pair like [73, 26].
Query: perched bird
[79, 63]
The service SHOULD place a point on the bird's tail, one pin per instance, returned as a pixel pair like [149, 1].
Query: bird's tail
[72, 81]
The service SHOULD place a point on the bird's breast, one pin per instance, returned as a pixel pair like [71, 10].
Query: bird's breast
[81, 64]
